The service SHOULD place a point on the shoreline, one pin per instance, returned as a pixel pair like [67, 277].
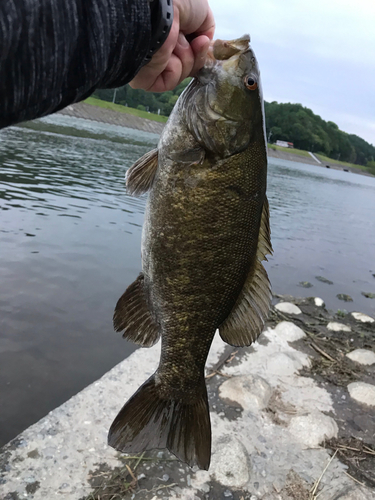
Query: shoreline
[310, 161]
[279, 410]
[95, 113]
[103, 115]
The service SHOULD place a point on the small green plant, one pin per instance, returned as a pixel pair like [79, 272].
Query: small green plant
[371, 167]
[342, 313]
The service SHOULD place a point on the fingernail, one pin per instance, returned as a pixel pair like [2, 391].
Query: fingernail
[182, 41]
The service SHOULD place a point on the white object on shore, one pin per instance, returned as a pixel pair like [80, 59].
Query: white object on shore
[314, 157]
[363, 317]
[313, 429]
[289, 331]
[338, 327]
[280, 364]
[362, 356]
[288, 308]
[362, 392]
[229, 454]
[319, 302]
[248, 391]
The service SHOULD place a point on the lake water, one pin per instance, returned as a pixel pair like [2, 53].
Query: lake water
[70, 245]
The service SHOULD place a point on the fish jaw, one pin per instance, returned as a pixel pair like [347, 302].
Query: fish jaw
[228, 51]
[225, 49]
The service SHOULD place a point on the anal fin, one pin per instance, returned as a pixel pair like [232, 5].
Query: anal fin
[141, 175]
[247, 318]
[132, 315]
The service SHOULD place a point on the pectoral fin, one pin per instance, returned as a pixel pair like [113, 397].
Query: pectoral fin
[132, 315]
[141, 175]
[246, 320]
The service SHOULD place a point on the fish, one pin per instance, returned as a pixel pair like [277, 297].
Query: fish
[205, 235]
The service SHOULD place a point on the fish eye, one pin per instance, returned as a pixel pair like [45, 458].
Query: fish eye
[250, 83]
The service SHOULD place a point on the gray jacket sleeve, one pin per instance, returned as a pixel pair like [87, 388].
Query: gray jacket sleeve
[57, 52]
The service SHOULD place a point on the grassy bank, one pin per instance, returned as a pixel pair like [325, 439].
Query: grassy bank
[327, 160]
[298, 152]
[124, 109]
[324, 159]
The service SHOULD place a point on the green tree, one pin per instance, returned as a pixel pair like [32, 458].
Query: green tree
[297, 124]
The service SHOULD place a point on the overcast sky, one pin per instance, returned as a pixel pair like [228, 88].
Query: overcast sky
[318, 53]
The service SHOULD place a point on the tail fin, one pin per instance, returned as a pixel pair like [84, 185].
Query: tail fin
[148, 421]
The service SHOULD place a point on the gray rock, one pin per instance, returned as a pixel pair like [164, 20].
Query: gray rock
[362, 317]
[285, 364]
[324, 280]
[354, 493]
[249, 391]
[289, 331]
[338, 327]
[368, 295]
[288, 308]
[305, 284]
[344, 297]
[230, 462]
[314, 428]
[362, 356]
[362, 392]
[319, 302]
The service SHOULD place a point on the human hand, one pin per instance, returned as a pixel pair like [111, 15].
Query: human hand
[179, 58]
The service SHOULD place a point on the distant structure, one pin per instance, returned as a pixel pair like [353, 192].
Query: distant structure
[285, 144]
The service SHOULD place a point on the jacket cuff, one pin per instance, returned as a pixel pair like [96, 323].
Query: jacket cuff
[161, 24]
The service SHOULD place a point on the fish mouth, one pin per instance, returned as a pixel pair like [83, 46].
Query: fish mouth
[224, 50]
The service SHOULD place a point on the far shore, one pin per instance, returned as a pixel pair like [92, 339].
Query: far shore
[124, 119]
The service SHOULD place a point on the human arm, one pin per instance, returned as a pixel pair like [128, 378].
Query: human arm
[56, 52]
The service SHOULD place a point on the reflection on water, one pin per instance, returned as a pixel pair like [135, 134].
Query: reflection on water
[70, 244]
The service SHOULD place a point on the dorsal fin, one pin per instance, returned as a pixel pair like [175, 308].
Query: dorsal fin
[141, 175]
[132, 315]
[247, 318]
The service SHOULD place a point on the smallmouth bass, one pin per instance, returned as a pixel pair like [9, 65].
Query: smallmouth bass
[205, 235]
